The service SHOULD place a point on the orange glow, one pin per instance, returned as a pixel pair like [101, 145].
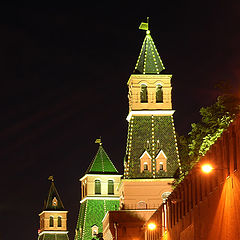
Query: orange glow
[152, 226]
[207, 168]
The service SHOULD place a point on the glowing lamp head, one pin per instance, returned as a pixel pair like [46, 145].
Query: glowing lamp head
[152, 226]
[207, 168]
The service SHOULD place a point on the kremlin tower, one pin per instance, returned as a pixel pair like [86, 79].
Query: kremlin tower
[100, 194]
[151, 154]
[53, 218]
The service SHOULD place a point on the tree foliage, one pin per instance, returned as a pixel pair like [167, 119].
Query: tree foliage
[214, 120]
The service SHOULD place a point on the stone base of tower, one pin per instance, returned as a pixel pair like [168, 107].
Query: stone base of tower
[144, 193]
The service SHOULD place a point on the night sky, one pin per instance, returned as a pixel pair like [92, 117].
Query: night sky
[64, 69]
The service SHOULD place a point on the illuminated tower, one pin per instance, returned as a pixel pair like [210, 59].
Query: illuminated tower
[99, 194]
[151, 155]
[53, 218]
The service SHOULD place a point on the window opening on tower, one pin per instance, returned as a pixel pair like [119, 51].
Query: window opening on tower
[144, 93]
[94, 230]
[97, 186]
[145, 166]
[51, 221]
[110, 187]
[145, 162]
[59, 221]
[161, 166]
[161, 161]
[159, 93]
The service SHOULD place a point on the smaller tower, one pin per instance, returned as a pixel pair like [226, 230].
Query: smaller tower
[53, 218]
[100, 194]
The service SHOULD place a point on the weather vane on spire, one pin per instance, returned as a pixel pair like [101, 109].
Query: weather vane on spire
[145, 26]
[50, 178]
[98, 140]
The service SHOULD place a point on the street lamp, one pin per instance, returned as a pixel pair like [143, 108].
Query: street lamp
[207, 168]
[152, 226]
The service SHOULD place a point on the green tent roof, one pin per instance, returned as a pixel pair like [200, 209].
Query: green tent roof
[53, 201]
[101, 163]
[149, 61]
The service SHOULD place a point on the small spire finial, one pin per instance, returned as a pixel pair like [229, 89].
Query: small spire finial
[50, 178]
[98, 140]
[145, 26]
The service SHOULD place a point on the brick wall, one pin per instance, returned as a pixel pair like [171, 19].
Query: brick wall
[207, 206]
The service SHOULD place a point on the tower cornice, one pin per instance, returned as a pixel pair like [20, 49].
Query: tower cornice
[53, 232]
[99, 175]
[148, 179]
[100, 198]
[52, 212]
[150, 113]
[149, 77]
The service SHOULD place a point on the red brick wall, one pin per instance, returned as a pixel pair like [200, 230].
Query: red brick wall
[208, 206]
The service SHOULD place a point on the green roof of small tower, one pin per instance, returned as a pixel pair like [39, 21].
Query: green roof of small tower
[53, 201]
[101, 163]
[149, 61]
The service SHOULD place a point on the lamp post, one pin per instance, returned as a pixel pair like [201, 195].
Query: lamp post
[151, 226]
[207, 168]
[152, 231]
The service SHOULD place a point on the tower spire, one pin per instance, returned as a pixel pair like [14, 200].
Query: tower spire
[149, 61]
[101, 163]
[53, 201]
[53, 218]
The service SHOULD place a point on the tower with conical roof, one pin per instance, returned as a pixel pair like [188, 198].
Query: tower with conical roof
[99, 194]
[53, 218]
[151, 154]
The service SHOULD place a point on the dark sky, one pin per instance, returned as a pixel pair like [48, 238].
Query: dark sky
[63, 72]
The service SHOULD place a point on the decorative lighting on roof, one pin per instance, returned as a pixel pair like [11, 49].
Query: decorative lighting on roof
[149, 61]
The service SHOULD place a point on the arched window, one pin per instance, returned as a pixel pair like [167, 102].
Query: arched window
[145, 166]
[161, 162]
[161, 166]
[141, 205]
[94, 230]
[51, 221]
[97, 186]
[145, 162]
[144, 94]
[59, 221]
[159, 94]
[110, 187]
[54, 202]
